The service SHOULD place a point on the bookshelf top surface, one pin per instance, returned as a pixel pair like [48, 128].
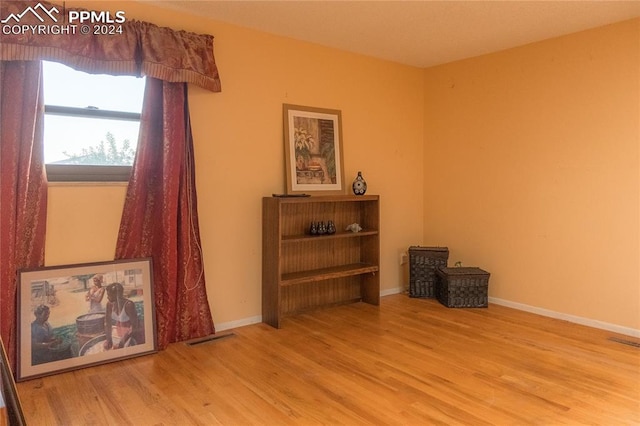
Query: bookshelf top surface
[324, 198]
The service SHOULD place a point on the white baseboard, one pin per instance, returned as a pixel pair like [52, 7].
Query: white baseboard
[391, 291]
[239, 323]
[627, 331]
[567, 317]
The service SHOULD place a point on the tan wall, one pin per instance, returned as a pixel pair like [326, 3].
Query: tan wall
[532, 171]
[82, 222]
[530, 166]
[239, 154]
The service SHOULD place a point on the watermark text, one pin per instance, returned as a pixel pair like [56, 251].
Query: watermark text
[53, 22]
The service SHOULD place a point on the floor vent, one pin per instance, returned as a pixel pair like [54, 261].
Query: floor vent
[625, 342]
[208, 339]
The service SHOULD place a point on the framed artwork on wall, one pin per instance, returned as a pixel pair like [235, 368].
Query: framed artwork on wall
[313, 150]
[76, 316]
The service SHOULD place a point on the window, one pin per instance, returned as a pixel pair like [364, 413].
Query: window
[91, 124]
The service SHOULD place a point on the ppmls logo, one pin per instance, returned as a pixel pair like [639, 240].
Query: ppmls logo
[34, 12]
[100, 23]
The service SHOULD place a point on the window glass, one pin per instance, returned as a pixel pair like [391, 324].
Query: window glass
[67, 87]
[71, 138]
[80, 140]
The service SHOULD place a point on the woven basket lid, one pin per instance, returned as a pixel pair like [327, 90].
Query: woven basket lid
[429, 248]
[462, 270]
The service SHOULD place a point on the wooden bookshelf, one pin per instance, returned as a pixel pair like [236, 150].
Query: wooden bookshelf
[301, 272]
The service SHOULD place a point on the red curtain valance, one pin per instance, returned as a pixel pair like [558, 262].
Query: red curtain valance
[140, 48]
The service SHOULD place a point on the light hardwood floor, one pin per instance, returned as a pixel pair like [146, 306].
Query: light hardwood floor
[408, 361]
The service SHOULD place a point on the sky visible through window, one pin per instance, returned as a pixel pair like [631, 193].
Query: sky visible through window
[64, 86]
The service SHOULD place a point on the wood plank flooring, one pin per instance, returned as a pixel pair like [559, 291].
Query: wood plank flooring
[406, 362]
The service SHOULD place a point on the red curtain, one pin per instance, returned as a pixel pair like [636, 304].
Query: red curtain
[160, 217]
[160, 214]
[141, 48]
[23, 185]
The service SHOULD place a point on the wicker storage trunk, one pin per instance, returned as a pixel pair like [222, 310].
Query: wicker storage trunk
[462, 287]
[423, 262]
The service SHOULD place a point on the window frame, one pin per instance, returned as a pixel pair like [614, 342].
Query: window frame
[87, 173]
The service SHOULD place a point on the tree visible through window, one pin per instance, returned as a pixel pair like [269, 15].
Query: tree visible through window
[90, 121]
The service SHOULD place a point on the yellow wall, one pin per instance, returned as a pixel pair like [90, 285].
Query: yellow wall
[82, 222]
[239, 153]
[532, 171]
[523, 162]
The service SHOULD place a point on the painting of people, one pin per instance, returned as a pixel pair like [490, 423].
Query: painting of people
[84, 314]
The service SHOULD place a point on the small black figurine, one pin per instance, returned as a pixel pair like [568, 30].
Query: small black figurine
[331, 227]
[322, 229]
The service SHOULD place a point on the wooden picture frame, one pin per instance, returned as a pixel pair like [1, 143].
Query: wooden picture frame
[65, 320]
[10, 408]
[313, 150]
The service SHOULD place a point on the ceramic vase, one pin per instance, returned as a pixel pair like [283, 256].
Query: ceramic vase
[359, 185]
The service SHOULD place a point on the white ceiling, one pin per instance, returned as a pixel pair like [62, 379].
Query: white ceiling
[418, 33]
